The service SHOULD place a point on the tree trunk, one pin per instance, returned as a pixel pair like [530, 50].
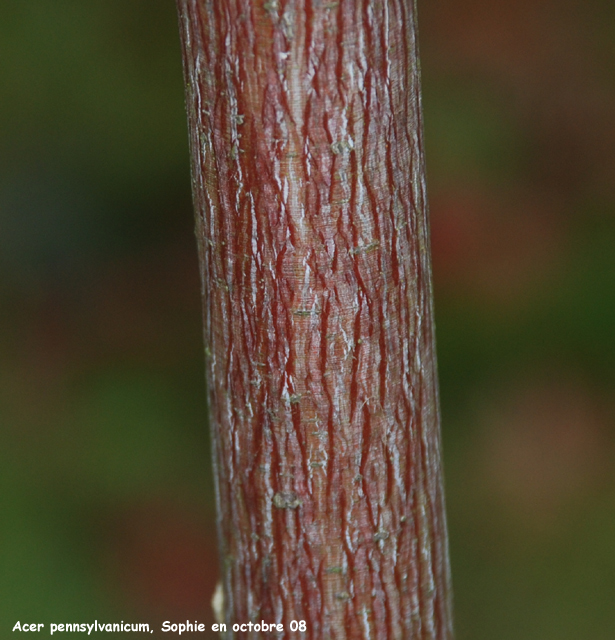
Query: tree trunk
[311, 220]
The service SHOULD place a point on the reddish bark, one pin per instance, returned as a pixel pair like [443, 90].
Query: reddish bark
[309, 190]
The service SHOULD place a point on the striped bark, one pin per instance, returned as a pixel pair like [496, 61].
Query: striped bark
[311, 221]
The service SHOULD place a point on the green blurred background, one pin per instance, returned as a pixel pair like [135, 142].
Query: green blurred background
[106, 507]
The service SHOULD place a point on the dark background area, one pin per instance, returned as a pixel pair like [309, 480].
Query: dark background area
[106, 495]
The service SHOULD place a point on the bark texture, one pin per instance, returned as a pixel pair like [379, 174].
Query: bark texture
[308, 179]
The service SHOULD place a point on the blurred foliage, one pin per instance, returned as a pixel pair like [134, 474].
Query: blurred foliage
[107, 500]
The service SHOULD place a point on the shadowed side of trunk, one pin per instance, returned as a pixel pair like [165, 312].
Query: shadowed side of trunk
[309, 190]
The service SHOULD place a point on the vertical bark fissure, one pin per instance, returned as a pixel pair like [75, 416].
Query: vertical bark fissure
[308, 183]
